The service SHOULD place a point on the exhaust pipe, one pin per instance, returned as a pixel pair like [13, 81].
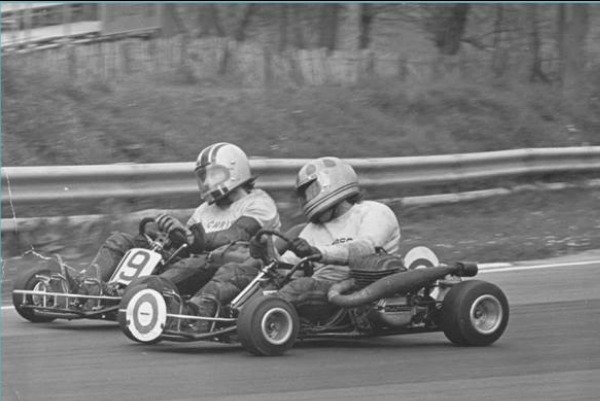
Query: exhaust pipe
[397, 283]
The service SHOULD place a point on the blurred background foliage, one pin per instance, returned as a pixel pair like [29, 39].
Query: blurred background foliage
[470, 77]
[541, 87]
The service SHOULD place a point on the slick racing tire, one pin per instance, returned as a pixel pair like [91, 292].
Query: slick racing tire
[268, 326]
[143, 314]
[474, 313]
[29, 280]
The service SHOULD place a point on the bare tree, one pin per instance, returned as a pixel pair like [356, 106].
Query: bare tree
[572, 30]
[536, 73]
[499, 56]
[366, 25]
[239, 33]
[447, 23]
[283, 26]
[295, 21]
[328, 25]
[209, 21]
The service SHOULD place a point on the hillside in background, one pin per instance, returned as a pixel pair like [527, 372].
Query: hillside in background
[171, 117]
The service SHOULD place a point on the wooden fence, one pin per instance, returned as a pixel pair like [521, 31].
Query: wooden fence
[253, 65]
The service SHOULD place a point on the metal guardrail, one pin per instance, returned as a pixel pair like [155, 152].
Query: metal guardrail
[36, 185]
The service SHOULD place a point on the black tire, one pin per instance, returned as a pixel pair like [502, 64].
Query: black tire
[268, 326]
[474, 313]
[27, 281]
[129, 309]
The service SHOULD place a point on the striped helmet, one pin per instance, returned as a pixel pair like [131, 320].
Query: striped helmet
[323, 183]
[220, 168]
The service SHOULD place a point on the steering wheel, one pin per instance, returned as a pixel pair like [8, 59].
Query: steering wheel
[273, 254]
[163, 239]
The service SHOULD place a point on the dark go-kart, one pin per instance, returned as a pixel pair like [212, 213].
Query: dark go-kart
[42, 294]
[468, 312]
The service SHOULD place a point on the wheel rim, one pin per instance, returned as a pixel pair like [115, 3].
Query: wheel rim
[41, 300]
[277, 326]
[486, 314]
[146, 315]
[38, 299]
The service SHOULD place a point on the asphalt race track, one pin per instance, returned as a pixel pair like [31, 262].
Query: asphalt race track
[550, 351]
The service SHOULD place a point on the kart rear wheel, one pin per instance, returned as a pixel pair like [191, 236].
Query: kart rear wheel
[143, 314]
[474, 313]
[268, 326]
[30, 280]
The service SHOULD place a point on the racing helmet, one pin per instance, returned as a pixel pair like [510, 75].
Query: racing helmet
[323, 183]
[220, 168]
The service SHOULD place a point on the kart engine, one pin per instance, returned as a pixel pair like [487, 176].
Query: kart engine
[392, 312]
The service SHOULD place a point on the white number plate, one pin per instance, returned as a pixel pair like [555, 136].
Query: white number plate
[137, 262]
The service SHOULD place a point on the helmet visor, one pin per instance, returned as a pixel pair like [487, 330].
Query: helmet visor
[308, 191]
[210, 178]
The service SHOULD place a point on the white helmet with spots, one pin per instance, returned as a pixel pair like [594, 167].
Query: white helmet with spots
[220, 168]
[323, 183]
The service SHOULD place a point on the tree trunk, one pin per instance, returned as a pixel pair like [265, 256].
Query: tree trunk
[573, 29]
[449, 27]
[499, 56]
[215, 20]
[536, 73]
[173, 14]
[283, 27]
[296, 26]
[328, 26]
[240, 32]
[366, 25]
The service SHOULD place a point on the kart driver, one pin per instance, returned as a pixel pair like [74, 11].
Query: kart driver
[342, 230]
[233, 210]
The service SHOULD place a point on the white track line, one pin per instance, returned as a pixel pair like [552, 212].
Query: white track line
[510, 268]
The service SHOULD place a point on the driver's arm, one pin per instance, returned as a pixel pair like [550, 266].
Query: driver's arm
[378, 228]
[241, 230]
[282, 245]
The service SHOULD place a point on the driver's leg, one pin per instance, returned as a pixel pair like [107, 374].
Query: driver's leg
[226, 284]
[110, 254]
[309, 297]
[190, 274]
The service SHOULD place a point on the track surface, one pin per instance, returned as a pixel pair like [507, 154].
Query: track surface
[550, 351]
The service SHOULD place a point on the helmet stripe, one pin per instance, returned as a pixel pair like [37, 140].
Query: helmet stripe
[309, 208]
[209, 155]
[212, 155]
[204, 156]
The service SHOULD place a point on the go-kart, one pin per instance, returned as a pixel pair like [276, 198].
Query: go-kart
[469, 312]
[42, 294]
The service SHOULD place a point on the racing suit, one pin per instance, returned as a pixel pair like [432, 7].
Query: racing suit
[364, 228]
[221, 225]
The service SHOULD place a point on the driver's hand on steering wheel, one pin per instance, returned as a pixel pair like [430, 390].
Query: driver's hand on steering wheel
[177, 231]
[258, 247]
[151, 230]
[303, 249]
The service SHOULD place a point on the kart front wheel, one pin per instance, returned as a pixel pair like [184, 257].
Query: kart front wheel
[34, 279]
[143, 314]
[268, 326]
[474, 313]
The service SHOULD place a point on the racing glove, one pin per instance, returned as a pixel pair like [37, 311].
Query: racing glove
[258, 248]
[303, 249]
[178, 233]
